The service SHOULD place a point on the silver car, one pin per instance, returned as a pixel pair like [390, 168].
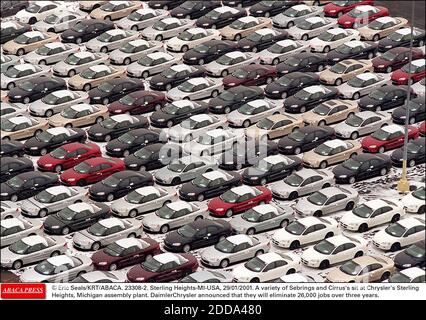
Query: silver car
[191, 38]
[105, 232]
[419, 87]
[151, 64]
[362, 123]
[234, 249]
[10, 110]
[326, 201]
[302, 183]
[281, 50]
[8, 210]
[99, 277]
[142, 200]
[77, 62]
[57, 101]
[295, 14]
[60, 21]
[52, 200]
[173, 215]
[311, 27]
[51, 53]
[13, 230]
[184, 169]
[361, 85]
[30, 250]
[166, 28]
[8, 61]
[20, 73]
[195, 89]
[208, 276]
[230, 62]
[141, 19]
[111, 40]
[252, 112]
[58, 269]
[134, 50]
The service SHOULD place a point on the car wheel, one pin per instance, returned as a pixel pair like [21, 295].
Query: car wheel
[164, 229]
[376, 37]
[159, 38]
[294, 245]
[349, 206]
[200, 198]
[127, 61]
[412, 120]
[201, 62]
[96, 246]
[184, 48]
[108, 18]
[303, 109]
[68, 125]
[224, 263]
[131, 235]
[320, 68]
[71, 73]
[382, 149]
[246, 123]
[205, 153]
[411, 163]
[352, 180]
[363, 227]
[42, 62]
[133, 213]
[383, 172]
[14, 198]
[11, 85]
[58, 168]
[297, 150]
[338, 82]
[224, 73]
[126, 153]
[227, 110]
[110, 197]
[255, 280]
[284, 95]
[326, 185]
[87, 87]
[263, 181]
[323, 164]
[291, 271]
[359, 254]
[290, 24]
[389, 70]
[43, 151]
[65, 231]
[81, 183]
[27, 100]
[199, 218]
[318, 213]
[370, 56]
[237, 37]
[421, 210]
[214, 94]
[186, 248]
[55, 253]
[107, 138]
[322, 123]
[229, 213]
[175, 181]
[326, 49]
[20, 52]
[356, 96]
[385, 276]
[275, 61]
[112, 267]
[395, 247]
[134, 28]
[284, 223]
[324, 264]
[395, 218]
[42, 213]
[251, 231]
[354, 135]
[145, 74]
[293, 195]
[17, 265]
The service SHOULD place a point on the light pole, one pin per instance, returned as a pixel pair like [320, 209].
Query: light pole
[403, 184]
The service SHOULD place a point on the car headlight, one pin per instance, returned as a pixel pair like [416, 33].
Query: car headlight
[101, 193]
[176, 244]
[98, 134]
[373, 146]
[231, 84]
[118, 110]
[117, 149]
[103, 263]
[48, 165]
[17, 97]
[140, 279]
[133, 165]
[193, 58]
[370, 106]
[161, 120]
[343, 176]
[388, 47]
[54, 227]
[332, 11]
[407, 265]
[246, 47]
[205, 24]
[381, 66]
[288, 147]
[71, 179]
[402, 79]
[276, 91]
[402, 117]
[294, 106]
[254, 178]
[70, 37]
[33, 148]
[220, 209]
[160, 83]
[191, 194]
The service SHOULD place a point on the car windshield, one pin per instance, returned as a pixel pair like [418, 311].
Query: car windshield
[67, 214]
[305, 25]
[240, 74]
[15, 182]
[169, 73]
[291, 12]
[395, 230]
[22, 39]
[134, 197]
[227, 96]
[251, 215]
[254, 37]
[303, 95]
[415, 251]
[225, 60]
[165, 212]
[323, 150]
[127, 138]
[43, 51]
[292, 62]
[187, 231]
[27, 86]
[44, 136]
[151, 265]
[213, 14]
[51, 19]
[345, 49]
[189, 124]
[176, 166]
[50, 99]
[295, 228]
[340, 3]
[265, 124]
[128, 100]
[285, 81]
[59, 153]
[225, 246]
[322, 110]
[202, 48]
[255, 265]
[409, 68]
[170, 108]
[45, 268]
[82, 168]
[229, 197]
[380, 135]
[356, 82]
[326, 36]
[398, 277]
[375, 25]
[338, 68]
[159, 26]
[143, 154]
[377, 95]
[69, 113]
[33, 8]
[352, 164]
[44, 197]
[201, 182]
[324, 247]
[317, 199]
[109, 7]
[293, 180]
[263, 165]
[12, 72]
[106, 87]
[88, 74]
[277, 48]
[413, 148]
[419, 194]
[354, 13]
[185, 36]
[79, 27]
[362, 211]
[238, 25]
[97, 230]
[297, 136]
[388, 56]
[7, 125]
[114, 250]
[72, 60]
[396, 36]
[111, 181]
[187, 87]
[19, 247]
[128, 48]
[205, 140]
[104, 37]
[354, 121]
[108, 123]
[351, 268]
[135, 16]
[146, 61]
[247, 109]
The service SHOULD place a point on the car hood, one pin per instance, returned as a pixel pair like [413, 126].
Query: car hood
[7, 255]
[33, 276]
[5, 188]
[311, 254]
[213, 66]
[219, 102]
[335, 275]
[340, 170]
[253, 172]
[33, 142]
[398, 74]
[161, 115]
[404, 259]
[378, 61]
[365, 101]
[241, 272]
[175, 237]
[138, 272]
[100, 187]
[368, 141]
[84, 237]
[165, 174]
[211, 253]
[70, 173]
[382, 237]
[238, 223]
[190, 188]
[101, 256]
[306, 207]
[217, 203]
[350, 218]
[32, 205]
[54, 220]
[113, 144]
[40, 106]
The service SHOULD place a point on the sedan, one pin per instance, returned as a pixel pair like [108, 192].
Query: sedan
[191, 38]
[281, 50]
[78, 62]
[28, 41]
[208, 51]
[196, 89]
[94, 76]
[174, 76]
[114, 89]
[330, 112]
[361, 16]
[12, 29]
[411, 275]
[261, 39]
[352, 50]
[11, 148]
[402, 38]
[86, 30]
[114, 10]
[270, 8]
[344, 71]
[361, 85]
[11, 167]
[15, 229]
[414, 202]
[59, 21]
[220, 17]
[303, 61]
[244, 26]
[151, 64]
[208, 276]
[336, 9]
[138, 102]
[311, 27]
[111, 40]
[141, 19]
[333, 38]
[290, 83]
[130, 142]
[415, 153]
[79, 115]
[254, 75]
[309, 97]
[382, 27]
[134, 50]
[166, 28]
[416, 111]
[229, 62]
[384, 98]
[234, 98]
[51, 53]
[275, 126]
[194, 9]
[305, 139]
[252, 112]
[412, 73]
[20, 73]
[413, 256]
[295, 15]
[96, 277]
[9, 210]
[8, 61]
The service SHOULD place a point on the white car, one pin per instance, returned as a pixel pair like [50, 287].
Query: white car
[111, 40]
[195, 89]
[51, 53]
[266, 267]
[305, 231]
[334, 250]
[229, 62]
[77, 62]
[361, 85]
[300, 278]
[252, 112]
[311, 27]
[14, 229]
[8, 61]
[281, 50]
[400, 234]
[142, 200]
[141, 19]
[410, 275]
[38, 10]
[191, 38]
[57, 101]
[133, 50]
[295, 14]
[362, 123]
[333, 38]
[151, 64]
[11, 110]
[99, 277]
[415, 201]
[20, 73]
[9, 210]
[301, 183]
[166, 28]
[194, 127]
[419, 87]
[60, 21]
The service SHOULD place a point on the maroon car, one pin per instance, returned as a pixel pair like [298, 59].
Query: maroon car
[163, 267]
[138, 102]
[125, 252]
[395, 59]
[251, 75]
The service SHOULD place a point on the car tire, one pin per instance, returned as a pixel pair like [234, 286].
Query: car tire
[356, 96]
[112, 267]
[127, 61]
[293, 195]
[55, 253]
[134, 28]
[323, 165]
[214, 94]
[81, 183]
[42, 213]
[227, 110]
[284, 223]
[43, 151]
[370, 56]
[201, 62]
[246, 123]
[176, 181]
[303, 109]
[363, 228]
[164, 228]
[384, 171]
[184, 48]
[71, 73]
[237, 37]
[186, 248]
[395, 247]
[385, 276]
[421, 210]
[359, 254]
[107, 138]
[250, 231]
[110, 197]
[269, 80]
[224, 263]
[58, 168]
[305, 37]
[376, 37]
[20, 52]
[294, 245]
[352, 180]
[254, 49]
[338, 82]
[395, 218]
[318, 213]
[389, 70]
[382, 149]
[17, 265]
[159, 38]
[42, 62]
[87, 87]
[224, 73]
[108, 18]
[200, 197]
[133, 213]
[65, 231]
[320, 68]
[354, 135]
[229, 213]
[322, 123]
[329, 235]
[349, 206]
[11, 85]
[326, 49]
[95, 246]
[324, 264]
[199, 218]
[290, 24]
[412, 163]
[131, 235]
[255, 280]
[297, 150]
[145, 74]
[275, 61]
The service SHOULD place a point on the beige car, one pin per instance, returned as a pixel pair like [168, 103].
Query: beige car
[22, 127]
[363, 269]
[79, 115]
[94, 76]
[345, 70]
[329, 112]
[275, 126]
[114, 10]
[381, 27]
[28, 41]
[331, 152]
[90, 5]
[244, 26]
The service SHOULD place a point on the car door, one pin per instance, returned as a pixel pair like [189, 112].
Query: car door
[338, 255]
[309, 235]
[95, 174]
[201, 238]
[415, 235]
[82, 220]
[269, 272]
[331, 205]
[39, 184]
[268, 221]
[167, 273]
[216, 187]
[124, 186]
[395, 140]
[245, 202]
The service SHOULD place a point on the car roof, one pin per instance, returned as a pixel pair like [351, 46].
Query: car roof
[167, 257]
[179, 205]
[336, 31]
[367, 114]
[308, 221]
[330, 191]
[20, 119]
[277, 158]
[306, 173]
[198, 81]
[171, 20]
[145, 11]
[366, 8]
[129, 242]
[180, 67]
[241, 190]
[84, 54]
[356, 43]
[213, 175]
[60, 130]
[413, 272]
[419, 62]
[315, 20]
[367, 260]
[63, 93]
[100, 67]
[217, 133]
[55, 45]
[270, 257]
[265, 31]
[116, 3]
[392, 128]
[248, 19]
[376, 204]
[10, 24]
[139, 42]
[341, 239]
[81, 206]
[368, 76]
[59, 190]
[258, 103]
[13, 222]
[287, 43]
[111, 222]
[115, 32]
[83, 106]
[32, 34]
[386, 19]
[123, 117]
[201, 117]
[33, 240]
[240, 238]
[300, 7]
[335, 143]
[263, 209]
[278, 117]
[25, 66]
[197, 31]
[159, 55]
[236, 54]
[410, 222]
[60, 260]
[404, 31]
[144, 191]
[96, 275]
[226, 9]
[315, 89]
[183, 103]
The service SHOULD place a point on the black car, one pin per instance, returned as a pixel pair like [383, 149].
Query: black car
[131, 141]
[11, 31]
[153, 156]
[246, 154]
[416, 153]
[352, 50]
[234, 98]
[53, 138]
[220, 17]
[361, 167]
[174, 76]
[270, 8]
[11, 148]
[402, 38]
[261, 40]
[75, 217]
[239, 3]
[174, 113]
[115, 126]
[303, 62]
[290, 83]
[413, 256]
[119, 184]
[208, 51]
[35, 88]
[10, 8]
[197, 234]
[209, 185]
[165, 4]
[384, 98]
[305, 139]
[114, 89]
[271, 169]
[416, 111]
[86, 30]
[193, 9]
[26, 185]
[309, 97]
[11, 167]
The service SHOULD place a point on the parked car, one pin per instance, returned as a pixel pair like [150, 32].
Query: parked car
[86, 30]
[233, 98]
[254, 75]
[12, 29]
[330, 112]
[261, 39]
[395, 58]
[361, 16]
[141, 19]
[208, 51]
[15, 229]
[113, 10]
[290, 83]
[220, 17]
[345, 70]
[415, 153]
[413, 256]
[59, 21]
[133, 50]
[410, 73]
[35, 88]
[304, 61]
[174, 76]
[20, 73]
[166, 28]
[414, 201]
[402, 38]
[310, 27]
[11, 167]
[353, 50]
[294, 15]
[305, 139]
[410, 275]
[193, 9]
[79, 115]
[151, 64]
[307, 98]
[28, 41]
[78, 62]
[282, 50]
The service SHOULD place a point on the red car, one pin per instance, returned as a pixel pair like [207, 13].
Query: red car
[138, 102]
[395, 58]
[422, 129]
[387, 138]
[163, 267]
[251, 75]
[417, 72]
[91, 171]
[238, 199]
[361, 16]
[338, 8]
[68, 156]
[125, 252]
